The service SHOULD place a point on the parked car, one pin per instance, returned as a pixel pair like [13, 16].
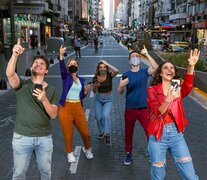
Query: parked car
[178, 46]
[157, 44]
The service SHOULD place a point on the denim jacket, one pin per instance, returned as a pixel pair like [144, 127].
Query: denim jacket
[67, 82]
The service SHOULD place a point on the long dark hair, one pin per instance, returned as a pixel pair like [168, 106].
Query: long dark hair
[157, 78]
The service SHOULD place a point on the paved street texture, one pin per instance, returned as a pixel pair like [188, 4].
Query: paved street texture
[108, 161]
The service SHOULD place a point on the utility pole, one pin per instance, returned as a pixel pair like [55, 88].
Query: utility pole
[12, 23]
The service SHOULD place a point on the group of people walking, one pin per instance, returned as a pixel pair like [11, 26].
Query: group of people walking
[158, 108]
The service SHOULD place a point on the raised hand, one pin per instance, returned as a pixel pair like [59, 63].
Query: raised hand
[18, 49]
[194, 56]
[62, 50]
[103, 61]
[144, 51]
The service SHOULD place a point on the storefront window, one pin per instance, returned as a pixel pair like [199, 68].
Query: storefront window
[6, 31]
[23, 29]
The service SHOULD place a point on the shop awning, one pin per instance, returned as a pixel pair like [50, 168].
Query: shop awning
[167, 26]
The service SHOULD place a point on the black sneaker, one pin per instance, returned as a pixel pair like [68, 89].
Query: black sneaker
[101, 136]
[128, 159]
[107, 140]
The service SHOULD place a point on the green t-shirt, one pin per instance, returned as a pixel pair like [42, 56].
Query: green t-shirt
[31, 117]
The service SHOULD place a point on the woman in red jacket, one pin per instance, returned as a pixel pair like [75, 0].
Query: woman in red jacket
[168, 121]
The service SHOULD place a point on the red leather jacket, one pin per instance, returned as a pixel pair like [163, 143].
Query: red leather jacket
[156, 98]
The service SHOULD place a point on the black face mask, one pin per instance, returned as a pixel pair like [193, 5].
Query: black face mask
[72, 69]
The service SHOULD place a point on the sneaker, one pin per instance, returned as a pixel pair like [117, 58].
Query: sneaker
[128, 159]
[71, 158]
[101, 136]
[88, 153]
[107, 140]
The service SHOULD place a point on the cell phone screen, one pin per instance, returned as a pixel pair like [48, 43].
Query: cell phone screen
[175, 82]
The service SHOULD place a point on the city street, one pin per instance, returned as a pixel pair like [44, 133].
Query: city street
[108, 161]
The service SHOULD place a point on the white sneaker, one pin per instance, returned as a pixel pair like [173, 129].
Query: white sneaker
[88, 153]
[71, 158]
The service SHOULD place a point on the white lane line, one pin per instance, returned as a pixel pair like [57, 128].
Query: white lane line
[74, 166]
[84, 76]
[91, 94]
[105, 49]
[111, 56]
[87, 112]
[57, 61]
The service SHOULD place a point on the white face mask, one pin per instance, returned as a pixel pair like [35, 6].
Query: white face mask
[135, 61]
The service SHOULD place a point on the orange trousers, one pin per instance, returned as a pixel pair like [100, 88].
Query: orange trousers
[69, 114]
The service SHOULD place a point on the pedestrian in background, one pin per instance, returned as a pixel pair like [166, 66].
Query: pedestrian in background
[95, 41]
[36, 104]
[71, 108]
[168, 120]
[77, 45]
[135, 82]
[102, 87]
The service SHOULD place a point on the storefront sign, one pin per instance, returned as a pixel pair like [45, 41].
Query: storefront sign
[28, 8]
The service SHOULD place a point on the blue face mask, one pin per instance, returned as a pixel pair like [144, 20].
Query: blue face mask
[135, 61]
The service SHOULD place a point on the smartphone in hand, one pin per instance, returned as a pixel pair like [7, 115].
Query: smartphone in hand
[124, 77]
[175, 82]
[38, 86]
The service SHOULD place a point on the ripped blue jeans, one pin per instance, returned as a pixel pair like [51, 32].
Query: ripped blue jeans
[173, 141]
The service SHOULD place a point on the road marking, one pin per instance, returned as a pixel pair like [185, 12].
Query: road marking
[57, 61]
[87, 112]
[73, 166]
[109, 56]
[84, 76]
